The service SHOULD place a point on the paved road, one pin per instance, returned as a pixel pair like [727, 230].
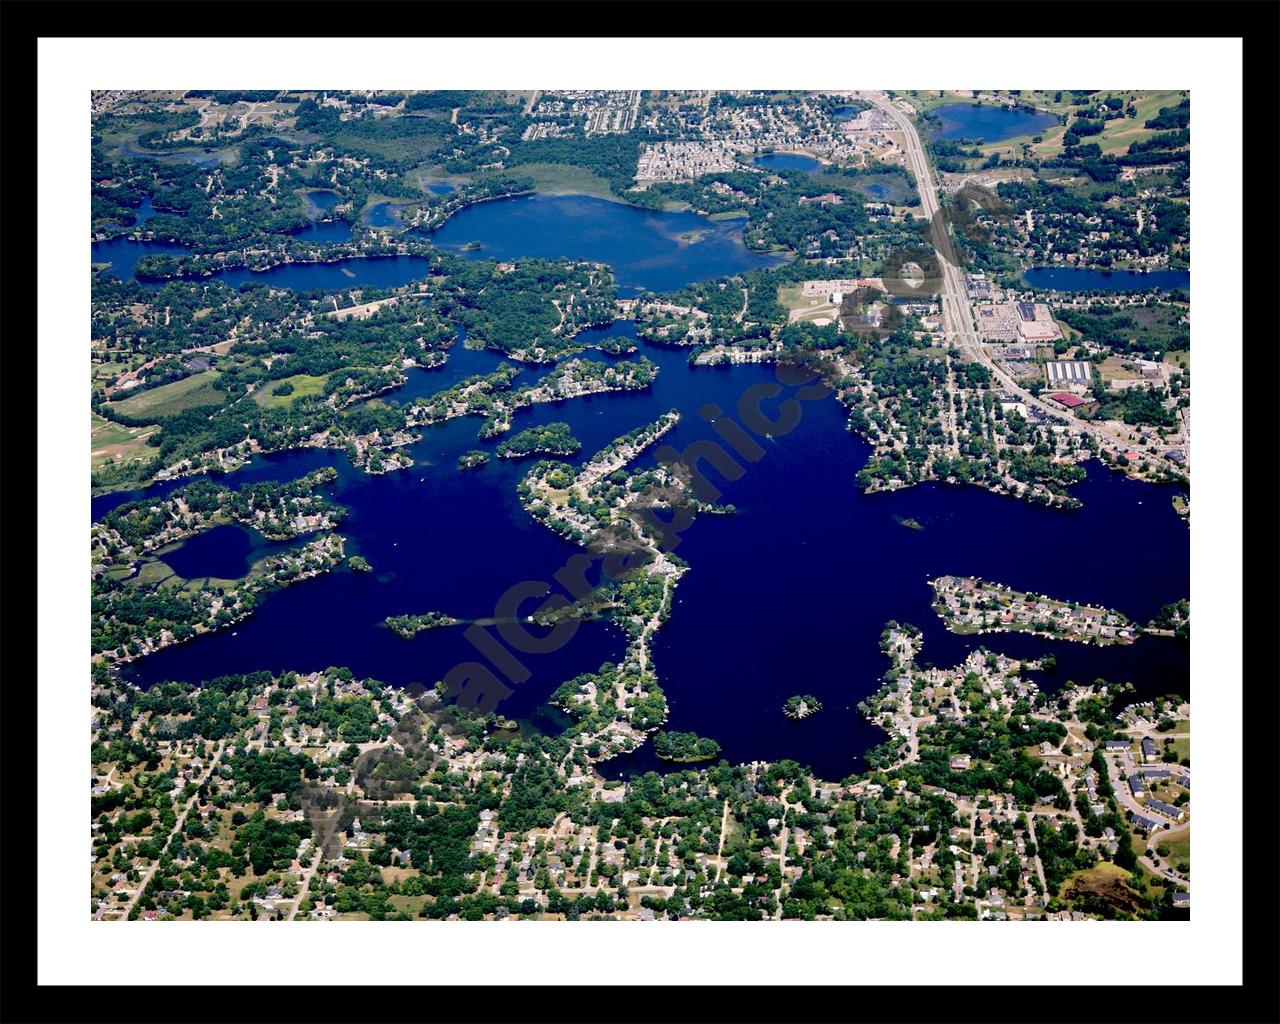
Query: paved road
[782, 865]
[957, 317]
[321, 841]
[176, 830]
[724, 827]
[1031, 829]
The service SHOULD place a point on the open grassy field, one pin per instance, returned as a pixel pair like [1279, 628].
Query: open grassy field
[115, 441]
[792, 297]
[1113, 368]
[170, 399]
[303, 384]
[152, 572]
[1179, 847]
[408, 904]
[927, 99]
[110, 371]
[566, 179]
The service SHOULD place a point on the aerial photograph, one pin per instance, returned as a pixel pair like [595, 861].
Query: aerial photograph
[640, 506]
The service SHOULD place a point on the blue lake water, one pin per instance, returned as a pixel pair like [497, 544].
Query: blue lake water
[787, 596]
[225, 552]
[379, 271]
[144, 211]
[786, 162]
[382, 215]
[325, 231]
[987, 123]
[845, 113]
[123, 255]
[321, 200]
[1079, 279]
[319, 203]
[441, 188]
[644, 247]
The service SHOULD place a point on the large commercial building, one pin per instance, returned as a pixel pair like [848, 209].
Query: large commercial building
[1035, 323]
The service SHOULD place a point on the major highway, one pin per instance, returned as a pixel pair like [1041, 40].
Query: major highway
[957, 316]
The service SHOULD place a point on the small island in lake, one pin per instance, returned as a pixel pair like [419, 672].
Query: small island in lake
[616, 345]
[408, 626]
[551, 439]
[799, 707]
[358, 564]
[684, 747]
[908, 522]
[473, 459]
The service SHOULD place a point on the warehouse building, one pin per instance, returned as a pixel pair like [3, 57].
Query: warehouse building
[1068, 371]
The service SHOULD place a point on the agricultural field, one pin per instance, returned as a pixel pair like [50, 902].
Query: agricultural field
[191, 392]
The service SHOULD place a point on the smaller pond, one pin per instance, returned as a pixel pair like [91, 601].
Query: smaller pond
[441, 188]
[144, 212]
[1079, 279]
[320, 201]
[325, 231]
[225, 552]
[123, 254]
[985, 123]
[786, 162]
[382, 215]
